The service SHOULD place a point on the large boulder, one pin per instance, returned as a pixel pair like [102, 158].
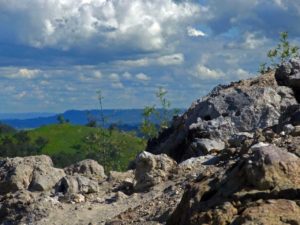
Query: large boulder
[152, 169]
[44, 178]
[243, 106]
[34, 172]
[88, 168]
[272, 167]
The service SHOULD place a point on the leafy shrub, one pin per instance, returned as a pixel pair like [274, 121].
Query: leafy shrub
[282, 53]
[154, 119]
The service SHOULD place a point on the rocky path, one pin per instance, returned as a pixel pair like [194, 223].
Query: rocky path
[118, 207]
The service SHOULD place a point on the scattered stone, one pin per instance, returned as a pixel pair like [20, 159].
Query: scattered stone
[78, 198]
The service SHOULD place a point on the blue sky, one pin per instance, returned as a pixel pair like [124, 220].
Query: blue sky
[55, 54]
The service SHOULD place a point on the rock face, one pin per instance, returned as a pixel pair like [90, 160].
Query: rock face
[239, 107]
[35, 173]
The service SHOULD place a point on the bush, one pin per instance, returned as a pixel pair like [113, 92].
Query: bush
[155, 120]
[280, 54]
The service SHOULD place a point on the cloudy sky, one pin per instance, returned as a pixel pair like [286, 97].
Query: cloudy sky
[55, 54]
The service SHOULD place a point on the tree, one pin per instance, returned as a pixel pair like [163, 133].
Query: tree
[92, 120]
[100, 99]
[6, 129]
[60, 118]
[155, 120]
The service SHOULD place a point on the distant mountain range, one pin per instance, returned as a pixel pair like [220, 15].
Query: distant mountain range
[22, 116]
[125, 119]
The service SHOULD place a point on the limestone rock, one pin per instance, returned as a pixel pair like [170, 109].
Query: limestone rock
[45, 178]
[273, 167]
[120, 177]
[227, 110]
[77, 184]
[152, 169]
[275, 212]
[88, 167]
[206, 146]
[34, 172]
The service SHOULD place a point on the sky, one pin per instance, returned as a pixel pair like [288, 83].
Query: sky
[56, 54]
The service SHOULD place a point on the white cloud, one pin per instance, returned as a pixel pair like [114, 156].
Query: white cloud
[202, 71]
[117, 85]
[20, 95]
[135, 62]
[242, 74]
[114, 77]
[252, 41]
[143, 24]
[87, 74]
[142, 77]
[97, 74]
[70, 88]
[127, 75]
[164, 60]
[22, 73]
[192, 32]
[175, 59]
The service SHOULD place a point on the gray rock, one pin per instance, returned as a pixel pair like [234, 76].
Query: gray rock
[120, 177]
[77, 184]
[205, 146]
[243, 106]
[45, 178]
[88, 167]
[288, 128]
[152, 169]
[237, 140]
[288, 74]
[34, 172]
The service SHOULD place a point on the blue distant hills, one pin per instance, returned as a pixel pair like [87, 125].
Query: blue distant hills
[124, 119]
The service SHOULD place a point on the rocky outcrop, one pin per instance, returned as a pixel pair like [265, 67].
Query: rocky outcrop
[244, 106]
